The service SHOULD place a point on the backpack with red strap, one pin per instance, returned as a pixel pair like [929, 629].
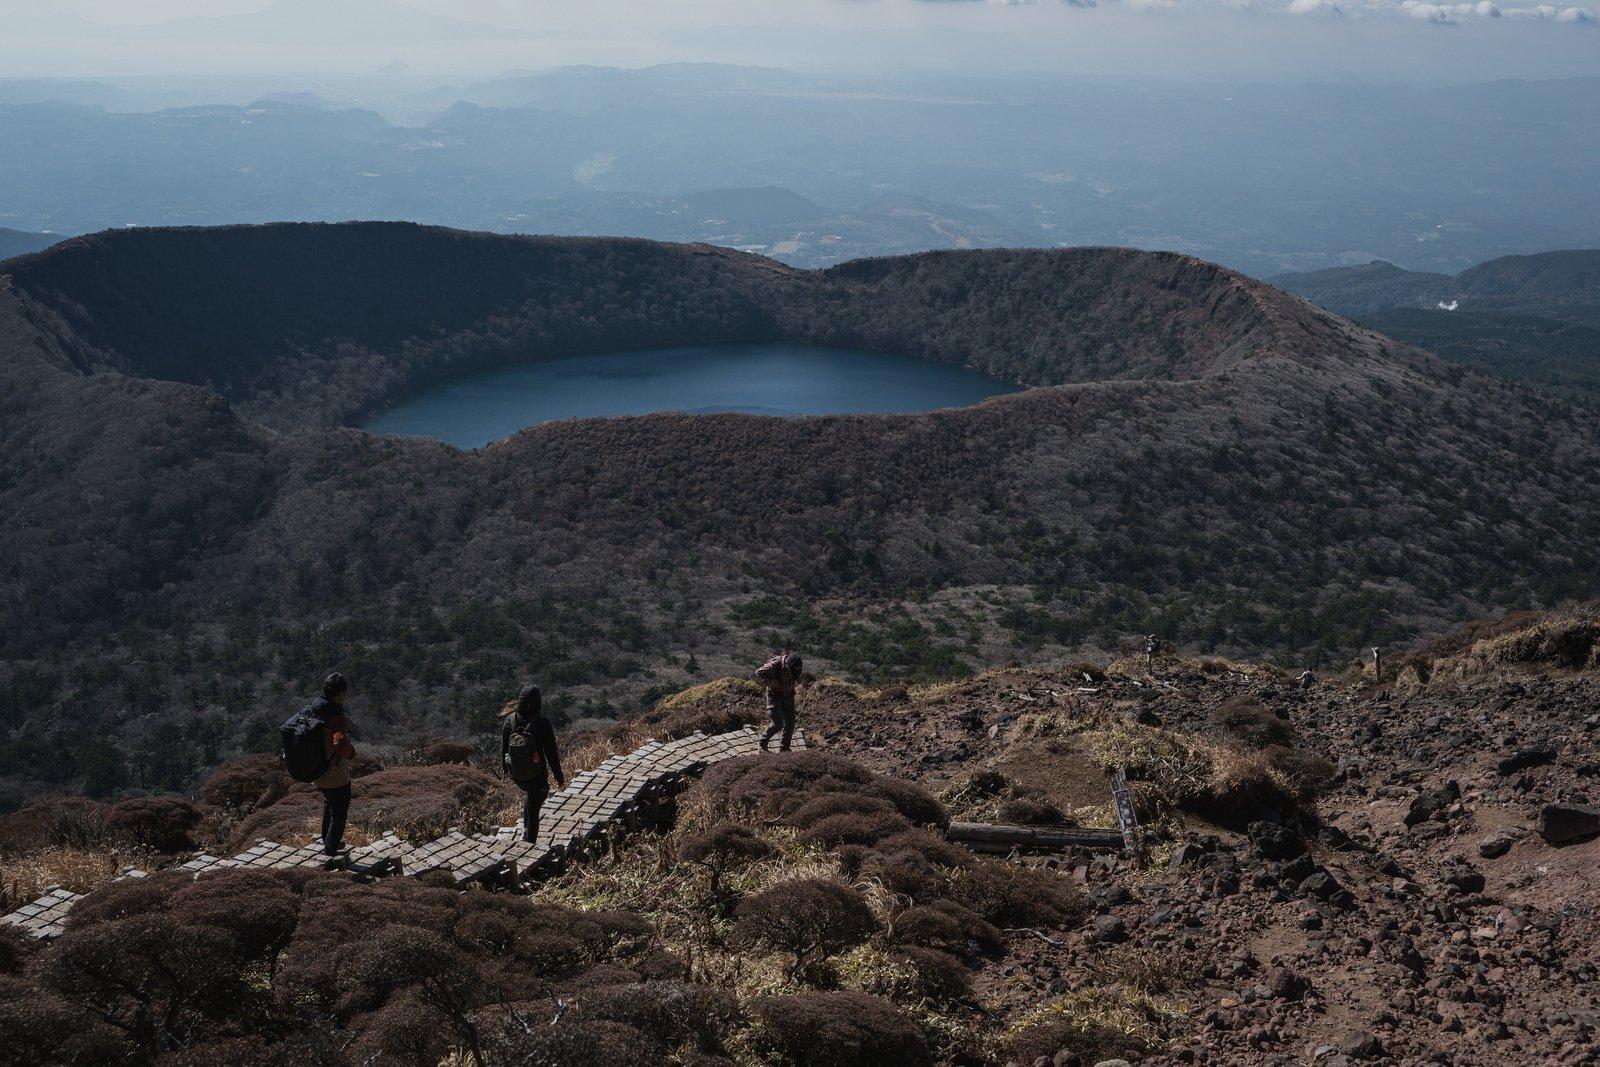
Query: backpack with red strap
[523, 758]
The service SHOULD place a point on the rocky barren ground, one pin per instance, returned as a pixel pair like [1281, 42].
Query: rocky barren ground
[1414, 913]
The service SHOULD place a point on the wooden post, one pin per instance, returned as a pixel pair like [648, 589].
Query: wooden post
[1123, 796]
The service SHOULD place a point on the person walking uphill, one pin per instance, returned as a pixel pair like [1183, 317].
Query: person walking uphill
[780, 675]
[528, 752]
[317, 749]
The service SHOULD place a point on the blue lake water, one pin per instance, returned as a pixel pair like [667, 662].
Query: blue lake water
[766, 379]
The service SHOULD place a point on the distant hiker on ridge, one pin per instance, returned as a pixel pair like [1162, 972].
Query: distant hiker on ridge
[1151, 647]
[1307, 679]
[317, 749]
[780, 674]
[528, 752]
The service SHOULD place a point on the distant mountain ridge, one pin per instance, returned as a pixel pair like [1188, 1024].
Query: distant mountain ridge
[19, 243]
[1544, 279]
[1533, 318]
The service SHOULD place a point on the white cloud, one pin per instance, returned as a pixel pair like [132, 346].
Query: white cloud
[1439, 13]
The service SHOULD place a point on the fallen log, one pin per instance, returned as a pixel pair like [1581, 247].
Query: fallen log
[999, 837]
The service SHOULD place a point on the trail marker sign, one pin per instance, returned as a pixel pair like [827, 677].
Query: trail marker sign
[1124, 800]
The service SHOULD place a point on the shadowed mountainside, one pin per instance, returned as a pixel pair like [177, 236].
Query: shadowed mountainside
[1209, 458]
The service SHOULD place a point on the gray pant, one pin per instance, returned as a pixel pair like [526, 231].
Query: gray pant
[781, 707]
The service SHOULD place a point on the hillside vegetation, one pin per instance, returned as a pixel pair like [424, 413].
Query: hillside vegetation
[187, 532]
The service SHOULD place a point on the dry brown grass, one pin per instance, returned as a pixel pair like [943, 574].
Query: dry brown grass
[1095, 1023]
[1561, 640]
[939, 692]
[1146, 972]
[1175, 770]
[29, 876]
[722, 689]
[1567, 639]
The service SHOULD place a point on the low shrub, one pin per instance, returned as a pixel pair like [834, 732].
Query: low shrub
[909, 874]
[913, 801]
[405, 1030]
[827, 805]
[1030, 811]
[439, 750]
[722, 848]
[927, 845]
[944, 924]
[861, 828]
[163, 983]
[942, 976]
[62, 822]
[840, 1029]
[1091, 1024]
[671, 1013]
[42, 1028]
[127, 898]
[258, 909]
[770, 787]
[164, 824]
[311, 1047]
[1012, 895]
[246, 783]
[781, 787]
[16, 949]
[1253, 722]
[810, 917]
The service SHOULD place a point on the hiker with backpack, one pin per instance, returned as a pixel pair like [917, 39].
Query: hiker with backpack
[317, 749]
[528, 753]
[780, 675]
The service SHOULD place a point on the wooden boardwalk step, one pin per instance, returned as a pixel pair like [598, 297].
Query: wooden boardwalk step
[574, 822]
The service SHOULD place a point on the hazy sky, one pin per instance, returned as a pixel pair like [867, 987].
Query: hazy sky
[1241, 39]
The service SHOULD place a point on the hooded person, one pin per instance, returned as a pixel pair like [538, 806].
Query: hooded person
[528, 753]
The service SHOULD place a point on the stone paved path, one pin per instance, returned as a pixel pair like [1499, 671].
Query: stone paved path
[621, 792]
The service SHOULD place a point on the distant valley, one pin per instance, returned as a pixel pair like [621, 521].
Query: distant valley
[814, 169]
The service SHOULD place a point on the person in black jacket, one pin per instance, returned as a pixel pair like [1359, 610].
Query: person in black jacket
[528, 753]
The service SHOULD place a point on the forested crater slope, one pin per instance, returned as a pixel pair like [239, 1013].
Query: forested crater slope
[186, 519]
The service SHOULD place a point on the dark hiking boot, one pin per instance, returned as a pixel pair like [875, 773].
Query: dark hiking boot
[766, 744]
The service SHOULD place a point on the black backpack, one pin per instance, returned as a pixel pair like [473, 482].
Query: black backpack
[305, 754]
[523, 756]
